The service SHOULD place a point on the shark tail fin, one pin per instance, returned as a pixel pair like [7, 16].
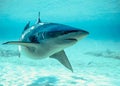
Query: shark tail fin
[26, 27]
[62, 58]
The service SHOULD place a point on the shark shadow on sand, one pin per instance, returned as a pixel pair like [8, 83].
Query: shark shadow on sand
[45, 81]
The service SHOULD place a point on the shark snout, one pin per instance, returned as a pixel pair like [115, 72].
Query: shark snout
[84, 32]
[81, 34]
[77, 34]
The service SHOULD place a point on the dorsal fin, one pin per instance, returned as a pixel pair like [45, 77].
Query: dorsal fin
[38, 21]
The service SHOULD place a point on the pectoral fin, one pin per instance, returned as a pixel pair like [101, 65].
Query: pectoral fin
[26, 44]
[62, 58]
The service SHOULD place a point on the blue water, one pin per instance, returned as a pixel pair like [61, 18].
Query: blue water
[101, 18]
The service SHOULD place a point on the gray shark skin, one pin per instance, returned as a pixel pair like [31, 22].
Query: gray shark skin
[44, 40]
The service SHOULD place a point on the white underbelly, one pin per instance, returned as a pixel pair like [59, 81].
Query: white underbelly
[45, 49]
[38, 53]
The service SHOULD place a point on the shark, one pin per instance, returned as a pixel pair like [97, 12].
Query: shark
[48, 40]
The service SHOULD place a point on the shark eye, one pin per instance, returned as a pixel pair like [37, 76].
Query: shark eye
[66, 32]
[53, 34]
[70, 31]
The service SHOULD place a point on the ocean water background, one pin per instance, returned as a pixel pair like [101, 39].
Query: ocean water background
[95, 59]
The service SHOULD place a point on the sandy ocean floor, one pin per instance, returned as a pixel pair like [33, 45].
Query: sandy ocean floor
[95, 63]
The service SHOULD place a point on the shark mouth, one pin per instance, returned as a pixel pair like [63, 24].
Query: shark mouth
[71, 39]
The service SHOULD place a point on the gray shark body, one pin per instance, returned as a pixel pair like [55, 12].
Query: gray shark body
[44, 40]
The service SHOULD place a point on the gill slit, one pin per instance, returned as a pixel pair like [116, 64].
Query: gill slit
[43, 35]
